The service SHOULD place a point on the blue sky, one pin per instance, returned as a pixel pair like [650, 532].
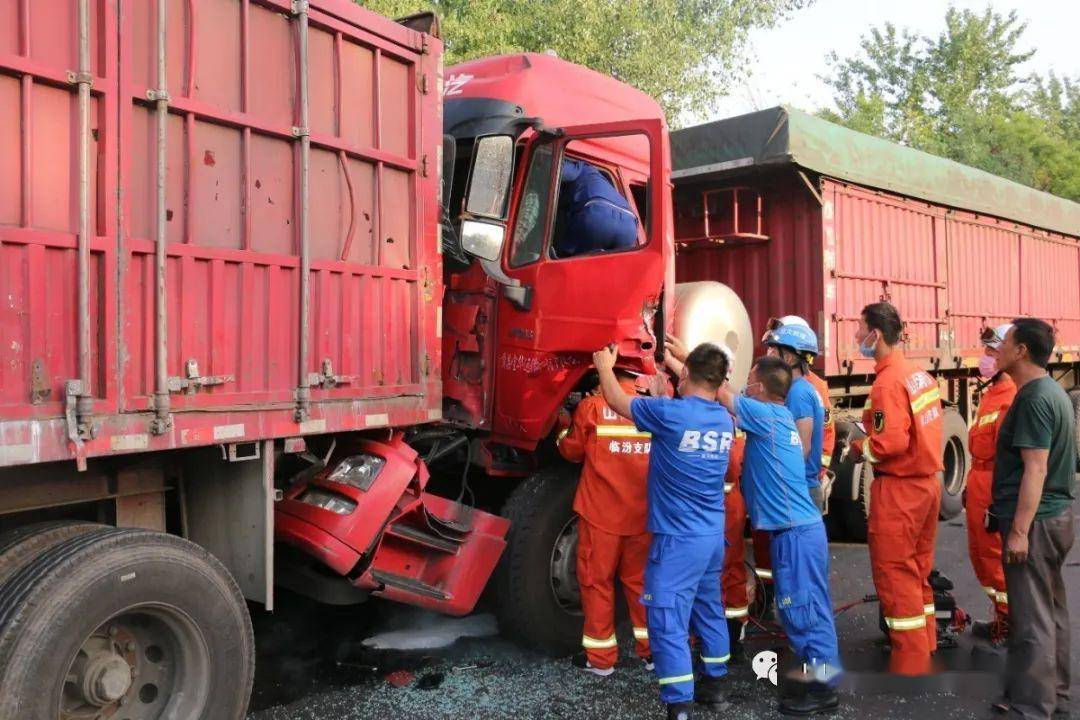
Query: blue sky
[788, 58]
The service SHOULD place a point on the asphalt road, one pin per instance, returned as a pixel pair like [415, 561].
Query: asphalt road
[312, 664]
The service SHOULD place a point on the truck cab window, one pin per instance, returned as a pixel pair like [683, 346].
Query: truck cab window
[532, 211]
[592, 215]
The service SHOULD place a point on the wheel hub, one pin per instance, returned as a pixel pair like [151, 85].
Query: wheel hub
[106, 679]
[564, 581]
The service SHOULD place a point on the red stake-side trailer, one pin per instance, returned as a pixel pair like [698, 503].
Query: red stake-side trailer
[800, 216]
[218, 237]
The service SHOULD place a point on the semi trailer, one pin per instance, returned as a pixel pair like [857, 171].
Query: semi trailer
[280, 306]
[797, 215]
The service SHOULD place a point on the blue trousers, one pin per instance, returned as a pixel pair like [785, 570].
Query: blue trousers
[682, 593]
[800, 566]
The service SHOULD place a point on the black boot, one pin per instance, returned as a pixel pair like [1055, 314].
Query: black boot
[680, 711]
[710, 691]
[819, 698]
[735, 630]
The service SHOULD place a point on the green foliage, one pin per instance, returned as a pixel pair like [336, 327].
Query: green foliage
[962, 95]
[685, 53]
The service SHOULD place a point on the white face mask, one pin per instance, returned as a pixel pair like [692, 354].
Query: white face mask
[988, 366]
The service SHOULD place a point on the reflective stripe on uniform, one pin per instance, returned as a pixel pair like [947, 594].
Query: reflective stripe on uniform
[641, 633]
[714, 661]
[728, 487]
[739, 433]
[562, 434]
[622, 431]
[867, 453]
[988, 418]
[598, 644]
[676, 679]
[763, 573]
[906, 623]
[826, 460]
[922, 401]
[1001, 598]
[733, 613]
[989, 591]
[929, 609]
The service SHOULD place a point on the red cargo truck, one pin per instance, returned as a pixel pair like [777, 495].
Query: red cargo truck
[263, 322]
[801, 216]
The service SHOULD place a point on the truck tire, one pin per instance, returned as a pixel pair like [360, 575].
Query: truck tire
[957, 461]
[850, 499]
[124, 623]
[537, 600]
[19, 546]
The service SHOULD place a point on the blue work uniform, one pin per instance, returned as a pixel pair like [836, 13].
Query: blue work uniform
[804, 402]
[778, 501]
[596, 216]
[691, 442]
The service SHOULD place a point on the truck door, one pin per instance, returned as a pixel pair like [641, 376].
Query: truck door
[558, 309]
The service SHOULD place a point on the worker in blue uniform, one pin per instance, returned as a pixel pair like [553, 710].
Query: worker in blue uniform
[691, 442]
[778, 501]
[593, 215]
[791, 343]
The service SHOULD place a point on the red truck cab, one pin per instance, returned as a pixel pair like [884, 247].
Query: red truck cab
[521, 323]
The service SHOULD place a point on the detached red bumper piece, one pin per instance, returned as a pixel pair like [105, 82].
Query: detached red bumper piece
[369, 518]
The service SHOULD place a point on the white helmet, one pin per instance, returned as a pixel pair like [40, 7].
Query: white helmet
[993, 337]
[793, 320]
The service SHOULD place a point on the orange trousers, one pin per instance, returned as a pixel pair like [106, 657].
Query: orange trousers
[733, 575]
[601, 557]
[901, 532]
[984, 547]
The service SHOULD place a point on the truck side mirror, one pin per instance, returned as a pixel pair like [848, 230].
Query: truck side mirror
[489, 182]
[483, 239]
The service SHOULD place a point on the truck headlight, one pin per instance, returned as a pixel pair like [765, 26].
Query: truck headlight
[328, 500]
[359, 471]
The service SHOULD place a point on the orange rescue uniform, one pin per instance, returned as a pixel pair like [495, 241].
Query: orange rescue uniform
[733, 576]
[984, 546]
[904, 423]
[612, 539]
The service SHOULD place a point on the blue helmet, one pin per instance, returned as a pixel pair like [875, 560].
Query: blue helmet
[798, 337]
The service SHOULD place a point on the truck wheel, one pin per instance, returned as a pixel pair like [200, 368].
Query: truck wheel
[957, 460]
[19, 546]
[850, 499]
[537, 599]
[124, 624]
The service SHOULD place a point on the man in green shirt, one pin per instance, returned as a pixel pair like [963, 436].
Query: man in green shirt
[1034, 482]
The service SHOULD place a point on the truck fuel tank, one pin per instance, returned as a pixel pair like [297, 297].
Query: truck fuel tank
[711, 312]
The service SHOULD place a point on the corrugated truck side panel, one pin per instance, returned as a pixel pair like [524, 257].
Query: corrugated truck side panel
[233, 217]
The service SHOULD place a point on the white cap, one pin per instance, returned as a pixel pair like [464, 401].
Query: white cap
[995, 339]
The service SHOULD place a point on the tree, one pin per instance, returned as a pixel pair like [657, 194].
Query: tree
[684, 53]
[962, 95]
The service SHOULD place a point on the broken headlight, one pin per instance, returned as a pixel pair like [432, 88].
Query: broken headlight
[328, 500]
[358, 471]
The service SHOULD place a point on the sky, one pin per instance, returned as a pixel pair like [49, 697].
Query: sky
[789, 57]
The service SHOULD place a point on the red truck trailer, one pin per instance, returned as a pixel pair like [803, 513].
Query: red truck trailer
[801, 216]
[273, 315]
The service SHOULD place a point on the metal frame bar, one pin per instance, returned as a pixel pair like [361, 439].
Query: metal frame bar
[302, 131]
[160, 96]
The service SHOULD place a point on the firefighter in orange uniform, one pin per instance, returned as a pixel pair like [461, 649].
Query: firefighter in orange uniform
[904, 424]
[984, 544]
[612, 539]
[733, 576]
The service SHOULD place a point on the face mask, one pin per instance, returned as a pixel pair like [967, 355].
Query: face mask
[867, 348]
[988, 366]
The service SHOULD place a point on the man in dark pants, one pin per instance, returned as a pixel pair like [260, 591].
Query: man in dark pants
[1034, 478]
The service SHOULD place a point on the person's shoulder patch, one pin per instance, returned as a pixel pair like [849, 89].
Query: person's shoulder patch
[879, 420]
